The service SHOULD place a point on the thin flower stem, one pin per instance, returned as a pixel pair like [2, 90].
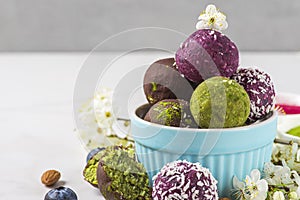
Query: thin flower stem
[123, 119]
[284, 141]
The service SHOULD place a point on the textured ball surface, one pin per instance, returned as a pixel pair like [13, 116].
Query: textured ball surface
[163, 81]
[90, 170]
[207, 53]
[121, 177]
[220, 102]
[171, 112]
[61, 193]
[260, 89]
[184, 180]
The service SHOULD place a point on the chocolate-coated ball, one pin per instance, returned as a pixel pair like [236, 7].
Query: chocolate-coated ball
[121, 177]
[163, 81]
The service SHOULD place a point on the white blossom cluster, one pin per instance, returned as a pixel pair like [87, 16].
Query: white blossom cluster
[98, 122]
[280, 181]
[290, 154]
[283, 182]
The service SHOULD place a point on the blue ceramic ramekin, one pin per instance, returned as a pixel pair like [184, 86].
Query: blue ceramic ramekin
[226, 152]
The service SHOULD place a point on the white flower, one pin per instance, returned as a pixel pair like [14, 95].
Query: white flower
[212, 18]
[253, 188]
[257, 187]
[272, 173]
[278, 195]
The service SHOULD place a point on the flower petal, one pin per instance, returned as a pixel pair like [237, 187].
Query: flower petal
[278, 195]
[211, 10]
[262, 185]
[259, 196]
[248, 180]
[298, 191]
[220, 25]
[269, 168]
[255, 175]
[203, 17]
[202, 25]
[238, 184]
[220, 16]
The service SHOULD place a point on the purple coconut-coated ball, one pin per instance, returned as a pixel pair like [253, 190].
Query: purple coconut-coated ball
[207, 53]
[184, 180]
[260, 89]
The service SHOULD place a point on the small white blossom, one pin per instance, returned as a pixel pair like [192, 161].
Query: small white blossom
[278, 195]
[212, 18]
[256, 186]
[272, 173]
[253, 188]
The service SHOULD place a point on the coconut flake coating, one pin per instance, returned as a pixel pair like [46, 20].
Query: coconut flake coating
[207, 53]
[260, 89]
[184, 180]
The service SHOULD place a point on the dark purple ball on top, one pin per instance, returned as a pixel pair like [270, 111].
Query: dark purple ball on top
[260, 89]
[184, 180]
[207, 53]
[163, 81]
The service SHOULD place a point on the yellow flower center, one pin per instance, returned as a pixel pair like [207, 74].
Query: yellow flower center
[212, 20]
[107, 114]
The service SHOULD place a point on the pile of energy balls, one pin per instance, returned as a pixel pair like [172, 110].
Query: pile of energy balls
[202, 87]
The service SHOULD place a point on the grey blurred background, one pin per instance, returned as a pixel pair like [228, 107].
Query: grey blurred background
[79, 25]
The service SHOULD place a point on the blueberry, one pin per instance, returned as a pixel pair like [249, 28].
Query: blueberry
[61, 193]
[94, 152]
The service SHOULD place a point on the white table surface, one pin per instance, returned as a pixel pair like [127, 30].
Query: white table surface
[36, 117]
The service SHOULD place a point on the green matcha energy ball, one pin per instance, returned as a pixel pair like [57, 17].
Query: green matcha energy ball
[219, 102]
[171, 112]
[121, 177]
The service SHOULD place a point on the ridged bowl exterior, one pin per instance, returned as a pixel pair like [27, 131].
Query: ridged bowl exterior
[225, 152]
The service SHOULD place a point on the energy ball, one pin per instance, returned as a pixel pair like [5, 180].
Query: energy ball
[171, 112]
[207, 53]
[184, 180]
[220, 102]
[260, 89]
[121, 177]
[90, 170]
[163, 81]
